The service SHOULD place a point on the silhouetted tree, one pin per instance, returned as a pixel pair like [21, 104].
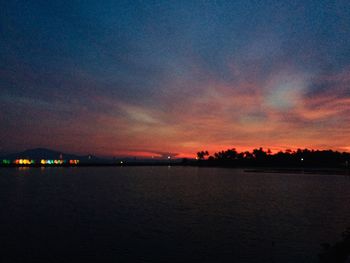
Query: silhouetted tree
[201, 155]
[259, 154]
[289, 158]
[248, 155]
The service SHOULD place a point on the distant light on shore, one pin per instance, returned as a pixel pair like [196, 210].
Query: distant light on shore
[31, 162]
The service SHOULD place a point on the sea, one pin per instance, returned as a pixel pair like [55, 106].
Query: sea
[168, 214]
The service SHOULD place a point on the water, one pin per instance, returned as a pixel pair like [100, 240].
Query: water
[162, 214]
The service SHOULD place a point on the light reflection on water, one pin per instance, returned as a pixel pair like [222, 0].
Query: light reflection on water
[176, 214]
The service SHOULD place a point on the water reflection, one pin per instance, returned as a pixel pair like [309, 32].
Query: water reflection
[157, 214]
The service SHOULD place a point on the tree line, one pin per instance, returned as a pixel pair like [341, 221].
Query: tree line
[261, 157]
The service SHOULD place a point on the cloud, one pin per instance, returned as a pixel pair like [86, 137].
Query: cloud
[121, 80]
[138, 114]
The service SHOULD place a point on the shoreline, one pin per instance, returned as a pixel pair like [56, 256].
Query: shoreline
[246, 169]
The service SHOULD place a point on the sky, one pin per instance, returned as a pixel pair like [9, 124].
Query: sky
[159, 78]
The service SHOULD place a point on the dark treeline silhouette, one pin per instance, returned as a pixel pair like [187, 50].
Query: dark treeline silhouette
[288, 158]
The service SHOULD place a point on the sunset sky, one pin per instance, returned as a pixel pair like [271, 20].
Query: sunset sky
[153, 78]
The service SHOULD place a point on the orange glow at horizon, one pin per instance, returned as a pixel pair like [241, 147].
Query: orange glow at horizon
[274, 114]
[172, 78]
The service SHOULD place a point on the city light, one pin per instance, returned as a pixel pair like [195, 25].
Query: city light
[5, 161]
[52, 162]
[26, 162]
[73, 162]
[22, 161]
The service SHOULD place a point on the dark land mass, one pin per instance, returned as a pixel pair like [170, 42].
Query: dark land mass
[289, 159]
[300, 161]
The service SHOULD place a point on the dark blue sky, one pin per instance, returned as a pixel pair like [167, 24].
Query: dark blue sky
[154, 77]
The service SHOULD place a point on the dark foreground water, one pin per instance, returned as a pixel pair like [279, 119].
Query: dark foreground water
[161, 214]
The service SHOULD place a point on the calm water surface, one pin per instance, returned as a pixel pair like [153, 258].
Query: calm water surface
[168, 214]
